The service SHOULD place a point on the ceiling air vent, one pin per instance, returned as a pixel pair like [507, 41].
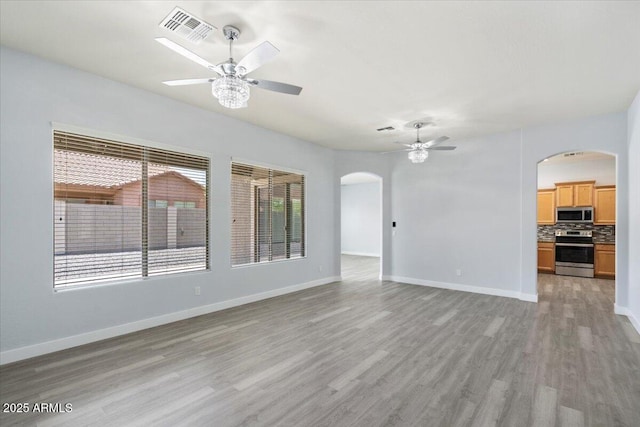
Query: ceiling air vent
[577, 153]
[187, 26]
[385, 128]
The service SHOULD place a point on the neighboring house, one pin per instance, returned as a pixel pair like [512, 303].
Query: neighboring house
[118, 182]
[166, 189]
[100, 212]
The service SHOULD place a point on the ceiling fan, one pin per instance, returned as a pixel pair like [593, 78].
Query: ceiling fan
[232, 87]
[419, 150]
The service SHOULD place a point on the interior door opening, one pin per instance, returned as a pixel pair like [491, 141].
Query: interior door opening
[576, 225]
[361, 226]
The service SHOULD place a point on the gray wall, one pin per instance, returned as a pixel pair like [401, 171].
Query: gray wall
[634, 210]
[361, 207]
[99, 228]
[190, 227]
[157, 227]
[104, 228]
[36, 93]
[460, 210]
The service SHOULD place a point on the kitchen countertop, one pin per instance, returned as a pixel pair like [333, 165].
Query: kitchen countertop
[595, 242]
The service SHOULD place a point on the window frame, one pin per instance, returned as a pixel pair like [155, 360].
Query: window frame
[303, 205]
[143, 144]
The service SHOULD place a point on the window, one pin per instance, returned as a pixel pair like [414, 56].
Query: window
[112, 214]
[184, 205]
[158, 203]
[267, 208]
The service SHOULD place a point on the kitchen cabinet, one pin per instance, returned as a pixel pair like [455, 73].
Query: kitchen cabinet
[605, 261]
[570, 194]
[546, 206]
[546, 257]
[605, 205]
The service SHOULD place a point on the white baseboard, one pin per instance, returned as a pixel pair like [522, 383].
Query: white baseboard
[27, 352]
[465, 288]
[618, 309]
[360, 254]
[624, 311]
[634, 322]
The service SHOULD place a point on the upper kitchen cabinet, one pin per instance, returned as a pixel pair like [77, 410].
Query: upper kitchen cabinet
[546, 206]
[564, 195]
[569, 194]
[605, 205]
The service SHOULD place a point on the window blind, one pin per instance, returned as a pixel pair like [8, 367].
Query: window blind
[267, 214]
[124, 210]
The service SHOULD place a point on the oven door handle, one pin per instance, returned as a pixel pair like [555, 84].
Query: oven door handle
[578, 245]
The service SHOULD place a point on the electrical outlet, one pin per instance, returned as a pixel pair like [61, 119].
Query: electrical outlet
[197, 290]
[320, 268]
[458, 272]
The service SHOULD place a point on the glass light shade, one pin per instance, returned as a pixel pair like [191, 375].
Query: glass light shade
[231, 91]
[418, 156]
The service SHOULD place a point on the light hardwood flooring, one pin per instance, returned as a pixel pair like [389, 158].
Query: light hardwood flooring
[356, 353]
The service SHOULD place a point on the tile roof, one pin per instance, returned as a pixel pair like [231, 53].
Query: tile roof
[88, 169]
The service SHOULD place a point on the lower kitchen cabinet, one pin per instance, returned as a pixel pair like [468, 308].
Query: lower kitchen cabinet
[546, 257]
[605, 261]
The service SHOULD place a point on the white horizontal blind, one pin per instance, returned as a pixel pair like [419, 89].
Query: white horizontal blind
[267, 214]
[109, 218]
[177, 220]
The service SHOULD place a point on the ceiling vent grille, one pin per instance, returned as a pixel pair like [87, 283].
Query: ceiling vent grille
[385, 128]
[187, 26]
[577, 153]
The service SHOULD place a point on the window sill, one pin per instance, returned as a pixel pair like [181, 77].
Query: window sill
[124, 281]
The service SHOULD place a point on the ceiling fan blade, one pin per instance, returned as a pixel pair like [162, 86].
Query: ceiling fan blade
[186, 82]
[435, 142]
[442, 148]
[257, 57]
[402, 143]
[276, 86]
[189, 55]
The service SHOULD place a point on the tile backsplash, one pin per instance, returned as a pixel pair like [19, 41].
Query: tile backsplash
[601, 233]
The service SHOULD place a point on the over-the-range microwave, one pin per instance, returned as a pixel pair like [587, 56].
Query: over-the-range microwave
[574, 214]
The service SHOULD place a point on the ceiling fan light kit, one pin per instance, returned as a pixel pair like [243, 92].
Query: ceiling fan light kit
[418, 156]
[419, 150]
[231, 91]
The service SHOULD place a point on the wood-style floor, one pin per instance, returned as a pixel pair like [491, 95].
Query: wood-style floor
[356, 353]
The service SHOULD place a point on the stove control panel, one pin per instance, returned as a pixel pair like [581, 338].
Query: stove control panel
[574, 233]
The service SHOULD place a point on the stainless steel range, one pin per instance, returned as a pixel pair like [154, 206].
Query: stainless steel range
[574, 253]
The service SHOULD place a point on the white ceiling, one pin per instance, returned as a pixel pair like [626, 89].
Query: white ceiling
[472, 68]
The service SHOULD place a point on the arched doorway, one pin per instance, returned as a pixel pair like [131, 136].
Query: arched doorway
[576, 222]
[361, 226]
